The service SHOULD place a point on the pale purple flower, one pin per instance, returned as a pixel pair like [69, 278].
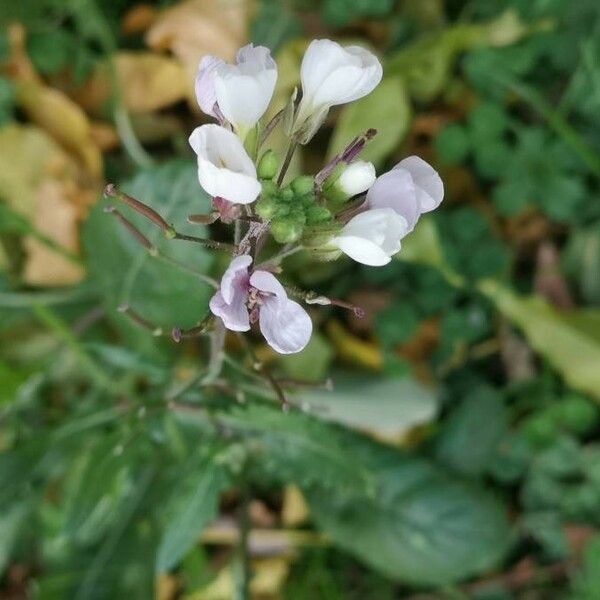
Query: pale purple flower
[244, 298]
[411, 188]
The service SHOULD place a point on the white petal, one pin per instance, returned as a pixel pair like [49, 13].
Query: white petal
[396, 190]
[373, 236]
[285, 325]
[244, 90]
[357, 177]
[205, 83]
[224, 167]
[332, 75]
[430, 188]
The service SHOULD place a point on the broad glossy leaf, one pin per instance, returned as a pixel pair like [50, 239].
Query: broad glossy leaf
[386, 109]
[420, 526]
[384, 408]
[126, 273]
[470, 436]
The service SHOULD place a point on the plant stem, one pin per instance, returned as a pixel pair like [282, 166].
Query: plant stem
[242, 566]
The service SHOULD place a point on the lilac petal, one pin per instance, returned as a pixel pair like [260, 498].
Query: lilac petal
[396, 190]
[285, 325]
[235, 314]
[430, 188]
[205, 84]
[266, 282]
[236, 277]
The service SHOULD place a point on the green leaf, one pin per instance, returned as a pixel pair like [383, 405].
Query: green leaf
[11, 522]
[124, 270]
[470, 437]
[420, 527]
[452, 144]
[294, 447]
[569, 341]
[384, 408]
[386, 109]
[192, 505]
[586, 583]
[274, 25]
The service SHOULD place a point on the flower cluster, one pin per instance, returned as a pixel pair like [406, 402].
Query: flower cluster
[344, 208]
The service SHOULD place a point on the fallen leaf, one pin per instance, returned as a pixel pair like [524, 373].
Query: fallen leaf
[268, 576]
[197, 27]
[42, 183]
[148, 82]
[294, 511]
[138, 19]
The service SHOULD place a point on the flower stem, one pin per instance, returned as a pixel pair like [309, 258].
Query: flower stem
[286, 161]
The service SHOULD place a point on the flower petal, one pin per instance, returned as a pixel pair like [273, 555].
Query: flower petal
[205, 84]
[244, 90]
[430, 188]
[373, 236]
[224, 167]
[285, 325]
[332, 75]
[234, 315]
[267, 282]
[357, 178]
[236, 274]
[396, 190]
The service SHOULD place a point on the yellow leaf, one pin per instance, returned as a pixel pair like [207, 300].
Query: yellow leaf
[43, 184]
[268, 576]
[295, 510]
[148, 82]
[197, 27]
[64, 120]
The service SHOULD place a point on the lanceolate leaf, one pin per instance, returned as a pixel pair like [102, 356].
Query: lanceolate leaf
[569, 341]
[193, 504]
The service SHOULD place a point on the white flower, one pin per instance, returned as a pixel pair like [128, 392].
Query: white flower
[373, 236]
[242, 92]
[356, 178]
[332, 75]
[243, 297]
[224, 168]
[428, 184]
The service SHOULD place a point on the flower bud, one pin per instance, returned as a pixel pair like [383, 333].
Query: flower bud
[266, 207]
[357, 178]
[286, 230]
[304, 184]
[268, 165]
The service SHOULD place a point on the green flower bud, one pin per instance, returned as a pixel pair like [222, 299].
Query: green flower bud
[286, 230]
[269, 188]
[268, 165]
[302, 185]
[317, 214]
[319, 236]
[287, 194]
[266, 207]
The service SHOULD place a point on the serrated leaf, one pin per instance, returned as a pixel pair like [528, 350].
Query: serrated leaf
[124, 270]
[420, 526]
[192, 505]
[294, 447]
[386, 109]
